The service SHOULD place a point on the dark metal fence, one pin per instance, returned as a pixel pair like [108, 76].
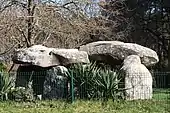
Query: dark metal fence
[161, 79]
[49, 86]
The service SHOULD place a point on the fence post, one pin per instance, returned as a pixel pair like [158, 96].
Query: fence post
[72, 88]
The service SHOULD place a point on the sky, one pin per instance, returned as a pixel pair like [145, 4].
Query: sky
[91, 9]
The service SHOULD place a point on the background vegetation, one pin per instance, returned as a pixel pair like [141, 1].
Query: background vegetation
[71, 23]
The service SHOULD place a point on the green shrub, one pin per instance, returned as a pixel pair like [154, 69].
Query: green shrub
[92, 82]
[9, 92]
[3, 67]
[83, 78]
[21, 94]
[6, 84]
[106, 83]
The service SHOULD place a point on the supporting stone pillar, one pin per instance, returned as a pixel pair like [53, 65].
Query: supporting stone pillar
[138, 79]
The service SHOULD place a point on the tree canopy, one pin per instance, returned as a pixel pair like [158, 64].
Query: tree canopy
[71, 23]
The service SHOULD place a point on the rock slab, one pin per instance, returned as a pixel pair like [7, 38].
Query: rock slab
[138, 79]
[42, 56]
[116, 50]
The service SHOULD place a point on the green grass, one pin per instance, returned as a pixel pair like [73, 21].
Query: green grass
[161, 94]
[159, 104]
[85, 107]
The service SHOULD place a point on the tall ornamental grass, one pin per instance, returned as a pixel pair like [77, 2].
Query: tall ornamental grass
[93, 82]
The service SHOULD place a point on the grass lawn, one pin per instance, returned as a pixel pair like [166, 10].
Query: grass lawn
[159, 104]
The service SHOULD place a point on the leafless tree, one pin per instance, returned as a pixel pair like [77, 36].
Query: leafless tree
[24, 23]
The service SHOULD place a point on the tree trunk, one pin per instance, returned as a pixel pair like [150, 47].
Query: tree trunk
[30, 21]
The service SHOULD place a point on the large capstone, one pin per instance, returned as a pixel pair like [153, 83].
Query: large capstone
[46, 57]
[114, 52]
[138, 79]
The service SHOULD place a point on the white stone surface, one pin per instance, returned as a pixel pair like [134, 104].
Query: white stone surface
[45, 57]
[138, 79]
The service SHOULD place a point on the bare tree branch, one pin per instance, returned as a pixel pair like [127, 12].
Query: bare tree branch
[9, 50]
[12, 3]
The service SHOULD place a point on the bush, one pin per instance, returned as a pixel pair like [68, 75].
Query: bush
[9, 92]
[92, 82]
[83, 78]
[3, 67]
[6, 84]
[21, 94]
[106, 83]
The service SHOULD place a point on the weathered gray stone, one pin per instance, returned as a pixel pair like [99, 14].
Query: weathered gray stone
[36, 55]
[116, 51]
[138, 79]
[45, 57]
[50, 82]
[55, 84]
[70, 56]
